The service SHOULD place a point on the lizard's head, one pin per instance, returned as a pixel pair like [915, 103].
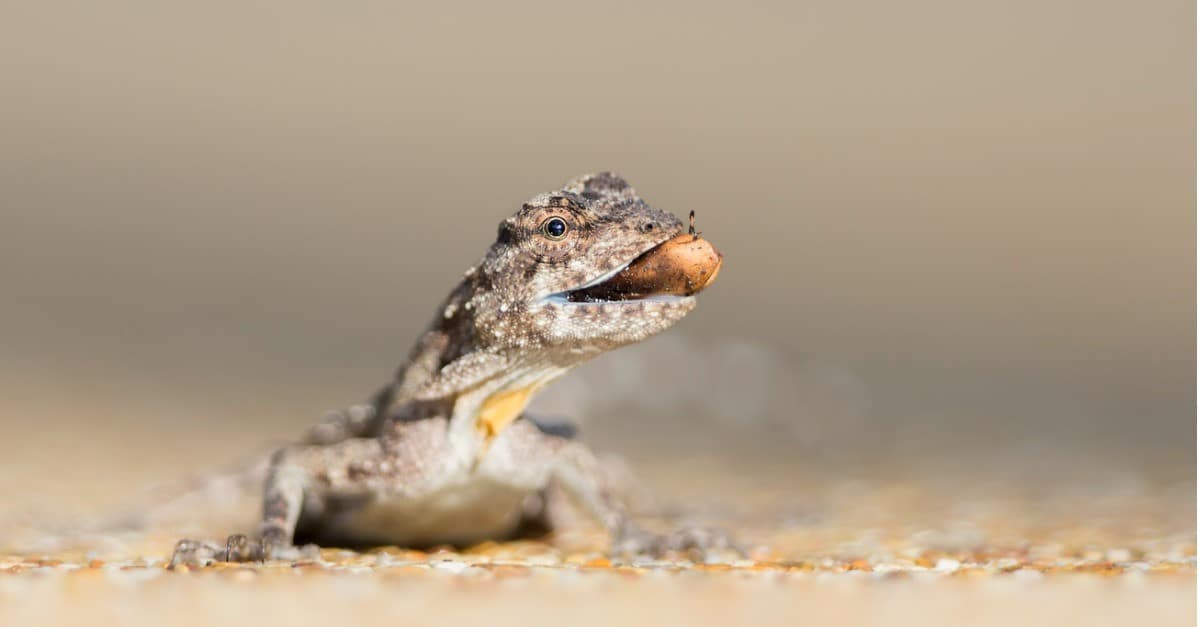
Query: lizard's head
[538, 283]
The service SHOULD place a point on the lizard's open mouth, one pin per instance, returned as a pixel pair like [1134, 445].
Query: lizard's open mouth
[676, 268]
[606, 289]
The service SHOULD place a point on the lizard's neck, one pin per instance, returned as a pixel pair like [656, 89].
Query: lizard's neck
[482, 413]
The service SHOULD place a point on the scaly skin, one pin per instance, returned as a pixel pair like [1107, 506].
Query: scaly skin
[444, 453]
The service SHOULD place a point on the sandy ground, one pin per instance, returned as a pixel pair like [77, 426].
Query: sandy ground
[950, 536]
[453, 593]
[889, 551]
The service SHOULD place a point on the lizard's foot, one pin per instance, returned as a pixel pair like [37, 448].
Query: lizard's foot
[697, 540]
[238, 548]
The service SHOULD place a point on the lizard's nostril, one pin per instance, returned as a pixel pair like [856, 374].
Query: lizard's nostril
[647, 227]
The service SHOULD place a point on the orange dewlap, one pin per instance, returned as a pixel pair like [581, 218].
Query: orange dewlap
[500, 409]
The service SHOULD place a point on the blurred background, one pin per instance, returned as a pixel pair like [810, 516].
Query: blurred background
[959, 237]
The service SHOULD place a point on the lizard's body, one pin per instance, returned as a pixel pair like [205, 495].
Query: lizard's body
[444, 454]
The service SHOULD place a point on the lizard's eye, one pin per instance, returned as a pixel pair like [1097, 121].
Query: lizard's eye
[554, 228]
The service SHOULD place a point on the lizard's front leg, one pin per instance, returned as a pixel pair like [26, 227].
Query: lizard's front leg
[288, 492]
[283, 499]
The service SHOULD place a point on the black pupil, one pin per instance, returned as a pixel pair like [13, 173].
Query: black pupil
[556, 227]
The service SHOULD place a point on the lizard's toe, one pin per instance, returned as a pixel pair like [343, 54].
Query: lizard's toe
[703, 539]
[634, 541]
[195, 553]
[699, 541]
[239, 548]
[308, 552]
[290, 553]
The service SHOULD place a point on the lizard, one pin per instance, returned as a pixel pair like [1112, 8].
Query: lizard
[446, 453]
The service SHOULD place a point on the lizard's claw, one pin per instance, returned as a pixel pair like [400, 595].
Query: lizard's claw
[702, 540]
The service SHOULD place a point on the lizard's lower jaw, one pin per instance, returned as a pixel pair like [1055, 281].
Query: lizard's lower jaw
[588, 325]
[587, 328]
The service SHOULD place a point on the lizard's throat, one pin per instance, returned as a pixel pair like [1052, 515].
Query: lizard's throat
[505, 403]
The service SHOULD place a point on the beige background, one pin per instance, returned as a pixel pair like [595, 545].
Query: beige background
[957, 234]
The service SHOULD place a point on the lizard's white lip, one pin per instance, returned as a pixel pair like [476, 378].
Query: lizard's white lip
[561, 298]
